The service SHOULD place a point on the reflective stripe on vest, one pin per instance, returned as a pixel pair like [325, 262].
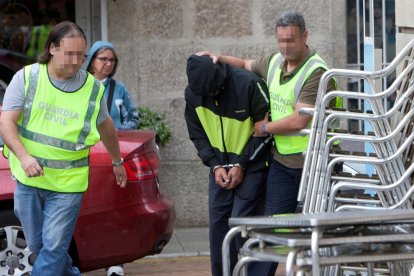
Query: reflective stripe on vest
[236, 133]
[282, 104]
[273, 68]
[49, 140]
[61, 164]
[58, 131]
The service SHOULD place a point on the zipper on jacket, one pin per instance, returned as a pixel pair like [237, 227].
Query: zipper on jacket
[222, 134]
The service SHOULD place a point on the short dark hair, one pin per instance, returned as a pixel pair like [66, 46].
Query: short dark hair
[59, 31]
[291, 18]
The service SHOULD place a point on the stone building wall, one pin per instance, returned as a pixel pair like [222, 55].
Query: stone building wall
[154, 39]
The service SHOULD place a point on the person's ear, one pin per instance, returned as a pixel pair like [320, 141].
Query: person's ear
[305, 35]
[52, 49]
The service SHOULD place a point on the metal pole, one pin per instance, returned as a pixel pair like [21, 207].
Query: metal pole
[358, 12]
[104, 20]
[369, 65]
[384, 44]
[371, 21]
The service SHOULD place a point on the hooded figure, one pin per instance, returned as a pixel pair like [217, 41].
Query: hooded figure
[204, 77]
[102, 62]
[222, 104]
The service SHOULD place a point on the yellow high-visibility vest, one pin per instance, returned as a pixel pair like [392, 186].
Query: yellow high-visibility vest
[58, 128]
[38, 40]
[283, 98]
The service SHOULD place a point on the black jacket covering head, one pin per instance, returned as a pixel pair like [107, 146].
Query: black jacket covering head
[230, 94]
[204, 77]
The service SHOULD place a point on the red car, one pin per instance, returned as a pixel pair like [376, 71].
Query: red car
[115, 225]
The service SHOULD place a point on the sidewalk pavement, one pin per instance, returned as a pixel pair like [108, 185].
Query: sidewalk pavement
[187, 254]
[186, 242]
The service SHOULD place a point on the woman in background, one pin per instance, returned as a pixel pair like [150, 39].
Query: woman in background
[102, 62]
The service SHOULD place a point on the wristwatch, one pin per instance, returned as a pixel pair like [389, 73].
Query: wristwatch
[263, 128]
[118, 164]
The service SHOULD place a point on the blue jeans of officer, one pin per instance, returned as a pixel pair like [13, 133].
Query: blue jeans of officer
[282, 189]
[245, 200]
[48, 219]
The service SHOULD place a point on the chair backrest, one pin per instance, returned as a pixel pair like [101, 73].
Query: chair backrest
[393, 156]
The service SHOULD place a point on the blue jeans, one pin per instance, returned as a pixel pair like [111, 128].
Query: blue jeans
[48, 219]
[282, 189]
[247, 199]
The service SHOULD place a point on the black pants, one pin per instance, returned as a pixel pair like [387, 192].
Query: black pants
[282, 189]
[245, 200]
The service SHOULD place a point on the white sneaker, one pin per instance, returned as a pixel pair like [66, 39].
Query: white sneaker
[115, 271]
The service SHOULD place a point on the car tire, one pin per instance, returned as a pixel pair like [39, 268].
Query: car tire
[15, 257]
[8, 218]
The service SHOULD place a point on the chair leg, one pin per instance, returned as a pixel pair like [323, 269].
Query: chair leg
[225, 249]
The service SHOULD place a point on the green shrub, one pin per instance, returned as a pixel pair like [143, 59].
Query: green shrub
[151, 120]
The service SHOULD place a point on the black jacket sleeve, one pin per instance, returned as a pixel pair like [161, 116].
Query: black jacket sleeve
[199, 137]
[258, 148]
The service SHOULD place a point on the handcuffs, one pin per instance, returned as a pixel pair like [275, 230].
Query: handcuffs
[228, 167]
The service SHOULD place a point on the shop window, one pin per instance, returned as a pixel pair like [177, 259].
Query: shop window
[384, 42]
[24, 26]
[21, 20]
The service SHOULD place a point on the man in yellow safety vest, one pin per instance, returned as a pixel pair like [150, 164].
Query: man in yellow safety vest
[52, 113]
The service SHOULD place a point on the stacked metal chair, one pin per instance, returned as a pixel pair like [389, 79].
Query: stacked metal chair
[318, 241]
[322, 243]
[391, 140]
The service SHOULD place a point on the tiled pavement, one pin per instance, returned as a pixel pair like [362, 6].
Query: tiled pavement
[187, 254]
